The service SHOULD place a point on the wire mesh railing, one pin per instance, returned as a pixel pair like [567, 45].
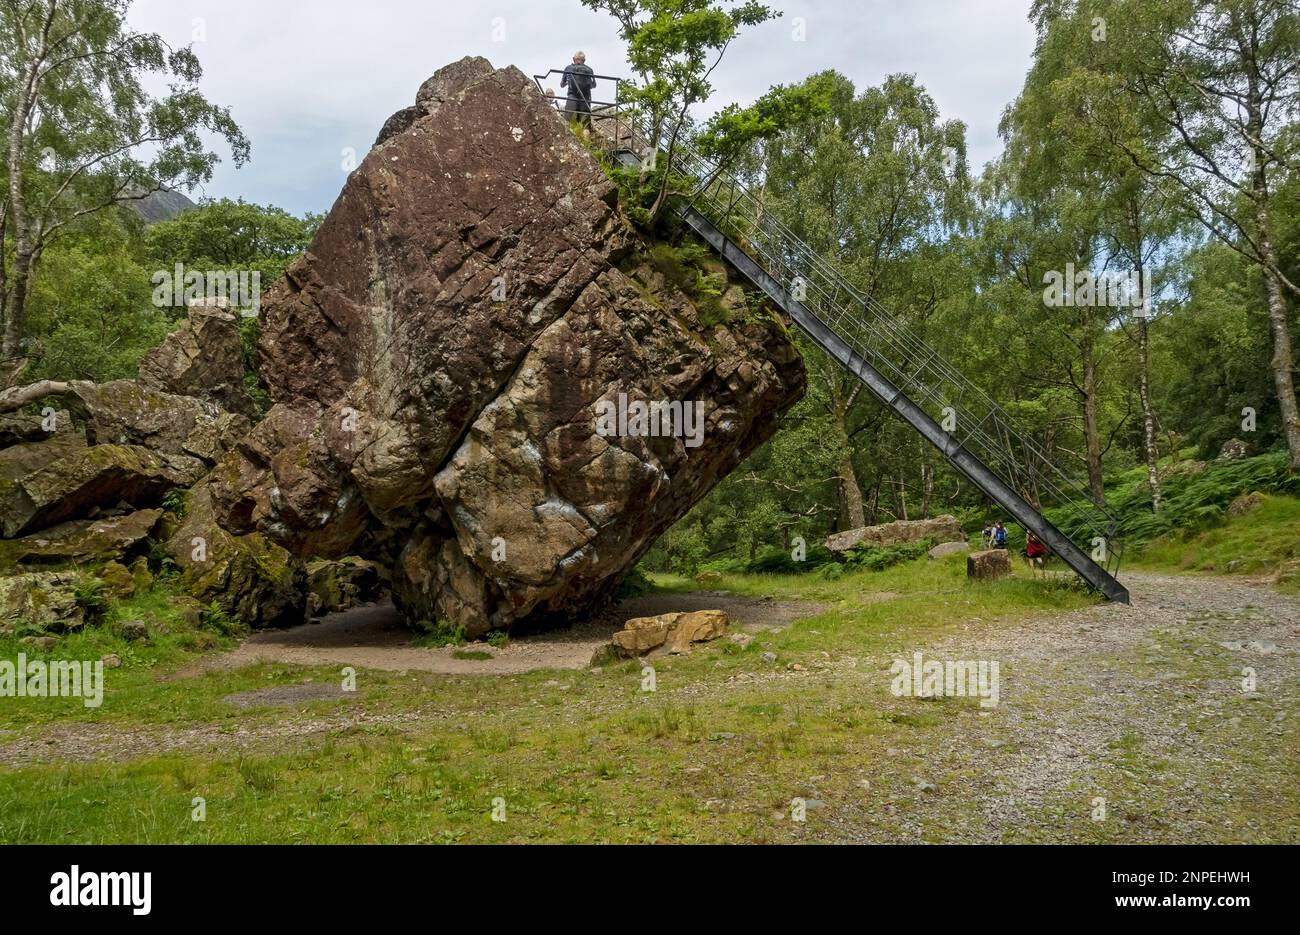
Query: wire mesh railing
[973, 420]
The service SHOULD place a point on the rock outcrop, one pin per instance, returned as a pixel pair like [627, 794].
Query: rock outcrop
[441, 357]
[87, 483]
[203, 358]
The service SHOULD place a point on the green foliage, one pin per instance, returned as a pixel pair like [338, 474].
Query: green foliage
[634, 584]
[230, 235]
[690, 266]
[439, 633]
[1267, 539]
[103, 115]
[92, 597]
[1192, 502]
[498, 639]
[213, 617]
[875, 558]
[174, 501]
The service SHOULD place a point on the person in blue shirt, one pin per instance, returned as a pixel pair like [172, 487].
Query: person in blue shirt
[1000, 536]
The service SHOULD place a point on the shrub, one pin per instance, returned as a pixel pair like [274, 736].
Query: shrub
[634, 584]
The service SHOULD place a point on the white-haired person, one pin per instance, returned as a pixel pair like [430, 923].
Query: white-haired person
[580, 80]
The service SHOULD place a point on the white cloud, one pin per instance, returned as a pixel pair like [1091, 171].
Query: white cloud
[307, 79]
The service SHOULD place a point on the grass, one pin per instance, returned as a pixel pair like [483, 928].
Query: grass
[585, 756]
[1263, 541]
[718, 752]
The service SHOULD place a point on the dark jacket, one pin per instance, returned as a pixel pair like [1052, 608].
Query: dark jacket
[580, 80]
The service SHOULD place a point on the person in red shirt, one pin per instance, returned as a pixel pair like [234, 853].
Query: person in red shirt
[1035, 551]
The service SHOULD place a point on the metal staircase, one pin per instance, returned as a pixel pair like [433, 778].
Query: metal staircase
[971, 431]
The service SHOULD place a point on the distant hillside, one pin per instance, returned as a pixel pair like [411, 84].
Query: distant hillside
[161, 206]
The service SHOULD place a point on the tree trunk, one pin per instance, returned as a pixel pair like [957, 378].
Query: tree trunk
[1144, 383]
[1282, 362]
[900, 499]
[927, 488]
[852, 515]
[16, 312]
[1091, 433]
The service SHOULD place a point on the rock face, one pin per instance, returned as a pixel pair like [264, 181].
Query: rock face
[943, 528]
[43, 600]
[89, 478]
[339, 585]
[83, 540]
[88, 483]
[203, 358]
[440, 357]
[249, 577]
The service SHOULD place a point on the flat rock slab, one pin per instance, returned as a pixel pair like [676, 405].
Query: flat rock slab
[944, 528]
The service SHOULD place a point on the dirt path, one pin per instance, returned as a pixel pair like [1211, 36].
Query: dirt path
[375, 638]
[1132, 705]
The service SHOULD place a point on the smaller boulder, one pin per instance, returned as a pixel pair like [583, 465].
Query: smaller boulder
[203, 358]
[134, 631]
[696, 627]
[642, 634]
[1234, 449]
[42, 644]
[944, 549]
[988, 565]
[85, 540]
[944, 528]
[678, 631]
[117, 579]
[141, 575]
[45, 600]
[1246, 503]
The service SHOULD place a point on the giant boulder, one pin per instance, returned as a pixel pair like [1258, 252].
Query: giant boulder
[440, 356]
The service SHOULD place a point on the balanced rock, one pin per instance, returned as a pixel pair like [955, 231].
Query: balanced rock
[441, 357]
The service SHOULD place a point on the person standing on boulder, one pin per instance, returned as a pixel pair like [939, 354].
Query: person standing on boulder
[580, 80]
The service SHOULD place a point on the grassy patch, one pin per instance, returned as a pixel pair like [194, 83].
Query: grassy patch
[1263, 541]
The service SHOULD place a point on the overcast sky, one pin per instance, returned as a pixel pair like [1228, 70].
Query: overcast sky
[308, 78]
